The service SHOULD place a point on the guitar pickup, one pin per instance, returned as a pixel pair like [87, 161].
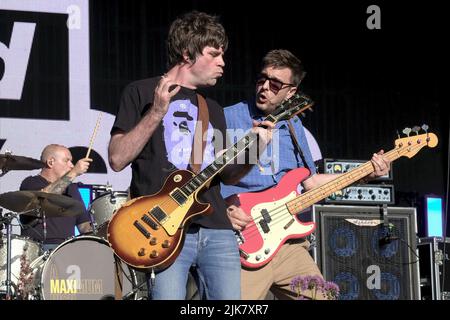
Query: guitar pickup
[266, 215]
[141, 228]
[179, 196]
[264, 226]
[150, 222]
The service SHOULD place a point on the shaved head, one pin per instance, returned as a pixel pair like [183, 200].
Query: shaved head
[50, 151]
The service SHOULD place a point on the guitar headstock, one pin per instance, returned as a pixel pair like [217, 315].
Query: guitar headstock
[410, 145]
[296, 104]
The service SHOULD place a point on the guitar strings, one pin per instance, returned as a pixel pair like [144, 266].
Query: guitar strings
[284, 208]
[278, 213]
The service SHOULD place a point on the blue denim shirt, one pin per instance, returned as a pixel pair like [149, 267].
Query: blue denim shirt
[279, 157]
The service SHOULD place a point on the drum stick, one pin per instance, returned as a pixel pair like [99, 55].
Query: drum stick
[91, 143]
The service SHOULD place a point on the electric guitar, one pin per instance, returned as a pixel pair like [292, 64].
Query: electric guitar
[274, 211]
[148, 231]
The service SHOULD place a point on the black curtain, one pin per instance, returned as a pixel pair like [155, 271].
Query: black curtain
[367, 84]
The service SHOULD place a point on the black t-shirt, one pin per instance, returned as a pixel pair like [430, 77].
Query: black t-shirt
[161, 155]
[58, 228]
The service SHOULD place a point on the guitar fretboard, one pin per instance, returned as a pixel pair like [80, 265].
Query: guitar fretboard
[313, 196]
[197, 182]
[296, 104]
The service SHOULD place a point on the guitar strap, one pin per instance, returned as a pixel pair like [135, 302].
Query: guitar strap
[196, 160]
[297, 145]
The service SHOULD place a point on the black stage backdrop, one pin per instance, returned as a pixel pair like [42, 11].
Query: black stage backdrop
[367, 84]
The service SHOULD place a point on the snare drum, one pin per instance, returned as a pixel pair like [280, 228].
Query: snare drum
[20, 246]
[82, 268]
[104, 206]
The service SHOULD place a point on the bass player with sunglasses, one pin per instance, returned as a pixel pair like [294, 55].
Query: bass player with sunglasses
[278, 80]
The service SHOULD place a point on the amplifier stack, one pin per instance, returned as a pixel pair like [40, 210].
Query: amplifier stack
[371, 194]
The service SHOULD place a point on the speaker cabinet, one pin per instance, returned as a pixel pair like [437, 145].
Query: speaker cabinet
[369, 252]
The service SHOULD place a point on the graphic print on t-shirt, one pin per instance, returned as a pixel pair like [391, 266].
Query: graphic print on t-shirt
[179, 127]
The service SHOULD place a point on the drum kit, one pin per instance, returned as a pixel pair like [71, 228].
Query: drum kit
[80, 268]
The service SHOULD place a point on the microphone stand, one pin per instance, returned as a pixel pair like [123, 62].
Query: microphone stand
[385, 238]
[388, 228]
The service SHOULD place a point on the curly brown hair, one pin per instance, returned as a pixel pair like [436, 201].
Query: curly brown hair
[191, 33]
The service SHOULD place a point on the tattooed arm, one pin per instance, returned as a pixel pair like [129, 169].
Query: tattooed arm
[60, 185]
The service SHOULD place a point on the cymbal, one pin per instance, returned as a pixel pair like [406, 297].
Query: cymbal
[10, 162]
[53, 205]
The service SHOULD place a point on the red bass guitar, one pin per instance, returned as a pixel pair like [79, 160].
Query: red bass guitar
[274, 211]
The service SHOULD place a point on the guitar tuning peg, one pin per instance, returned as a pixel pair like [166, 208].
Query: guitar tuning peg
[416, 130]
[425, 127]
[303, 115]
[398, 134]
[311, 109]
[407, 131]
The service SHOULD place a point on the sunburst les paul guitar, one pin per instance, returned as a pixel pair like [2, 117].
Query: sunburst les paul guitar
[148, 231]
[274, 211]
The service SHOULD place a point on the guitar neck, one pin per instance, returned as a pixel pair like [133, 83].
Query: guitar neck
[313, 196]
[197, 182]
[200, 180]
[289, 108]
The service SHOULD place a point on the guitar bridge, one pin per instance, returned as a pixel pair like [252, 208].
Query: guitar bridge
[289, 224]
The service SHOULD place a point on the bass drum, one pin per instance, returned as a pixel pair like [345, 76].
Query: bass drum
[82, 268]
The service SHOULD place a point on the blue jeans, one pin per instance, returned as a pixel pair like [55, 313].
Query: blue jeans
[215, 256]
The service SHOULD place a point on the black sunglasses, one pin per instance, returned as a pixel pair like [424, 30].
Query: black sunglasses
[275, 85]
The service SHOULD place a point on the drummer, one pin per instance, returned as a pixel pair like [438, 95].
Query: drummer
[56, 177]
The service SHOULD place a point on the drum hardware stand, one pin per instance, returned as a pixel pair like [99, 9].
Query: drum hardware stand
[118, 279]
[40, 217]
[113, 199]
[7, 219]
[150, 280]
[134, 291]
[118, 266]
[44, 222]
